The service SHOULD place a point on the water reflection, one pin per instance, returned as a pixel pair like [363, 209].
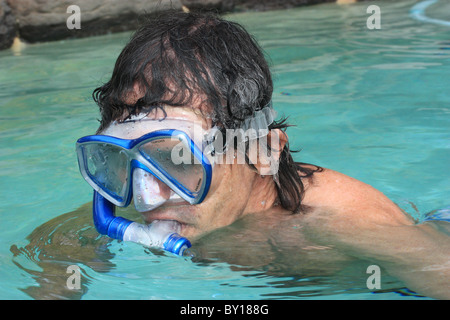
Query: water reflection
[233, 261]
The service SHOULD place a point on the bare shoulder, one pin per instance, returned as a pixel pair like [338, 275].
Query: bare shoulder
[344, 198]
[360, 221]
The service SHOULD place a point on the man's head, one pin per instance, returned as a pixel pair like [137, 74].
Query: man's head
[179, 59]
[203, 69]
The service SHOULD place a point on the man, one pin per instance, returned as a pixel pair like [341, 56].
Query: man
[186, 73]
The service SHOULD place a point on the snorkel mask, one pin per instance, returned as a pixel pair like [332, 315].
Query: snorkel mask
[152, 161]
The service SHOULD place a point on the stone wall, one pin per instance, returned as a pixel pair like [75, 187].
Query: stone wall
[45, 20]
[7, 25]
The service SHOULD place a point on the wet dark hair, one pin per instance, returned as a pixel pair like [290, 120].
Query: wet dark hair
[175, 57]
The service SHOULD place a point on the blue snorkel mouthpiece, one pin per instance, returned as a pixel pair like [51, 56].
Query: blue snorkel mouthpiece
[160, 233]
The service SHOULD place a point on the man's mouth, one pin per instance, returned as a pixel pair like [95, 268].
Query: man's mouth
[172, 225]
[168, 212]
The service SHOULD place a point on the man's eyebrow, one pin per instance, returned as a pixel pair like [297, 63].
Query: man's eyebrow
[144, 118]
[145, 111]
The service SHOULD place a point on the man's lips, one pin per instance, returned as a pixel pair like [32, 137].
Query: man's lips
[168, 211]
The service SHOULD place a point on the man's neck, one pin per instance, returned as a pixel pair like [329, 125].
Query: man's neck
[264, 195]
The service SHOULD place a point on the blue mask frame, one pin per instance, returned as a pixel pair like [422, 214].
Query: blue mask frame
[105, 220]
[146, 163]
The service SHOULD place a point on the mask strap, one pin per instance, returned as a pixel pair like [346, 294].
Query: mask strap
[257, 125]
[253, 127]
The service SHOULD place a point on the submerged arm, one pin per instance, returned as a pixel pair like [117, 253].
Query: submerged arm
[418, 255]
[363, 223]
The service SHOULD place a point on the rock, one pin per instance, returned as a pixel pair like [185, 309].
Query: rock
[242, 5]
[45, 20]
[345, 1]
[210, 5]
[263, 5]
[7, 26]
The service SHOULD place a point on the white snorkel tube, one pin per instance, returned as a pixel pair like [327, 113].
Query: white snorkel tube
[161, 233]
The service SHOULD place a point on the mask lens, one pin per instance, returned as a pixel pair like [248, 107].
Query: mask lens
[175, 158]
[108, 166]
[148, 191]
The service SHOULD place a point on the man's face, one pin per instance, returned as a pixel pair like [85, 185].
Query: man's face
[228, 195]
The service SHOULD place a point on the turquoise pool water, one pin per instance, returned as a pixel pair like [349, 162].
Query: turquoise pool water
[373, 104]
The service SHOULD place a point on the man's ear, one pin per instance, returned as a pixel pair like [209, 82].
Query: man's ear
[269, 152]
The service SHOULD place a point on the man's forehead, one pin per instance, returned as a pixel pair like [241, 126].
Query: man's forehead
[141, 124]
